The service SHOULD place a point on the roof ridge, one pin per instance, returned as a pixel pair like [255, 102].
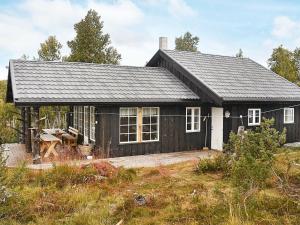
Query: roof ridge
[198, 52]
[86, 63]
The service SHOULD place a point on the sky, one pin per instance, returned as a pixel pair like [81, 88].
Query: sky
[223, 27]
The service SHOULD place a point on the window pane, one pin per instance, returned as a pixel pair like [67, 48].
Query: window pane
[196, 111]
[132, 137]
[189, 111]
[124, 129]
[256, 119]
[196, 126]
[189, 119]
[146, 111]
[146, 128]
[132, 120]
[196, 119]
[146, 136]
[154, 136]
[146, 120]
[188, 126]
[153, 127]
[124, 120]
[132, 129]
[250, 120]
[132, 111]
[124, 112]
[154, 111]
[124, 138]
[154, 119]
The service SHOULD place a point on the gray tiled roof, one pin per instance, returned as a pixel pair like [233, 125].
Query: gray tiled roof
[236, 79]
[37, 81]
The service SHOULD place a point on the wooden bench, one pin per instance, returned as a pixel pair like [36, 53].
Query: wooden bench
[71, 137]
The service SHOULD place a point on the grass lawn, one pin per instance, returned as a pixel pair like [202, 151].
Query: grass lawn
[174, 194]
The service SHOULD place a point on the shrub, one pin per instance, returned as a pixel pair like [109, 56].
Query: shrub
[216, 164]
[254, 155]
[66, 175]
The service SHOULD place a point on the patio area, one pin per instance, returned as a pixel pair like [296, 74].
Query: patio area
[17, 155]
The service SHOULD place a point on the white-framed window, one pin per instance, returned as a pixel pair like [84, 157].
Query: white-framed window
[86, 122]
[75, 117]
[80, 119]
[128, 124]
[254, 117]
[92, 123]
[150, 124]
[288, 115]
[192, 119]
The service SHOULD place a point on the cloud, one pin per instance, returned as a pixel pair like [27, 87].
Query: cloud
[177, 8]
[24, 26]
[180, 8]
[284, 27]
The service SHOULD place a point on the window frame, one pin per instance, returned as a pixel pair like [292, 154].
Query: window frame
[253, 116]
[137, 133]
[158, 118]
[92, 132]
[284, 115]
[192, 130]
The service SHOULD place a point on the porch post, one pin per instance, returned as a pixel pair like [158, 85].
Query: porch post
[27, 125]
[36, 136]
[70, 117]
[23, 128]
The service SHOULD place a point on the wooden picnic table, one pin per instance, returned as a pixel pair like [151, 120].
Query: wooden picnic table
[48, 142]
[54, 131]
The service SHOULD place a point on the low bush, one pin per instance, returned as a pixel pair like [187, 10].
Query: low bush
[216, 164]
[64, 175]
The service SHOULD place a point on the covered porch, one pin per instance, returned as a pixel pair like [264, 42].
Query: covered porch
[58, 133]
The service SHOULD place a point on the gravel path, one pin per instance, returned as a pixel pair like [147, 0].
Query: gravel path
[141, 160]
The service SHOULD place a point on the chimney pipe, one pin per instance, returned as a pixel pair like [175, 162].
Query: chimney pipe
[163, 43]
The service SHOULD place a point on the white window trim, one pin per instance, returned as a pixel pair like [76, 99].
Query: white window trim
[253, 116]
[92, 125]
[192, 119]
[158, 118]
[293, 115]
[137, 133]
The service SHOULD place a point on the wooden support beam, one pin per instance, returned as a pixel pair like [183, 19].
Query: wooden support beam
[36, 136]
[27, 125]
[23, 122]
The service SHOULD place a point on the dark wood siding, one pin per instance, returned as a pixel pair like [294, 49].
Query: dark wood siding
[172, 137]
[268, 111]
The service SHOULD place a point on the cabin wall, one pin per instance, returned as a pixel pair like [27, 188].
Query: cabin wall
[172, 133]
[232, 124]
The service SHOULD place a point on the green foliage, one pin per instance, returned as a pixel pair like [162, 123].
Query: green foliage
[254, 155]
[56, 116]
[216, 164]
[240, 54]
[50, 49]
[64, 175]
[283, 62]
[91, 44]
[7, 117]
[3, 176]
[187, 42]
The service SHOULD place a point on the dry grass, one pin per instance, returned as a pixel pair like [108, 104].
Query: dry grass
[174, 194]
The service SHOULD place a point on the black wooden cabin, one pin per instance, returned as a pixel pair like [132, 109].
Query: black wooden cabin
[179, 101]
